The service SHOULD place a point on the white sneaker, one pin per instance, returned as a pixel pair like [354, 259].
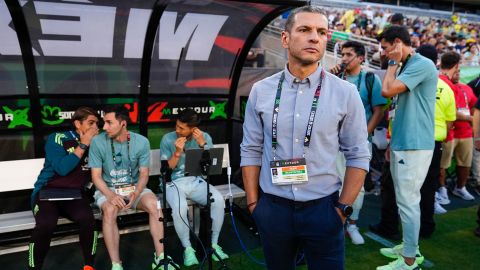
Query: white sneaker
[355, 235]
[443, 192]
[441, 199]
[438, 209]
[463, 193]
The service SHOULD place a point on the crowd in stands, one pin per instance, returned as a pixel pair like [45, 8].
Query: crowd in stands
[455, 34]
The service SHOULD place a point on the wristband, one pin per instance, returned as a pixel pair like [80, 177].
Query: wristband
[177, 155]
[251, 204]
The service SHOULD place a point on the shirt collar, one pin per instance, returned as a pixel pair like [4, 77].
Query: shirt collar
[312, 79]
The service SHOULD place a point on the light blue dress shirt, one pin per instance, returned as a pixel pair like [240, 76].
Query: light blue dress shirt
[340, 124]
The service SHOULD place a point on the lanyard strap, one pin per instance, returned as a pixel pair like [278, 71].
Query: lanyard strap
[74, 136]
[358, 81]
[465, 96]
[115, 158]
[311, 118]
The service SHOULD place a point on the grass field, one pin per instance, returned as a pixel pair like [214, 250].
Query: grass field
[452, 247]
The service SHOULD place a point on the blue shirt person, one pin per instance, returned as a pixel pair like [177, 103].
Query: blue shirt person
[187, 135]
[303, 116]
[120, 161]
[65, 167]
[370, 89]
[410, 80]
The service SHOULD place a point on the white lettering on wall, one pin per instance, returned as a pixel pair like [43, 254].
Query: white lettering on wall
[198, 30]
[95, 28]
[136, 31]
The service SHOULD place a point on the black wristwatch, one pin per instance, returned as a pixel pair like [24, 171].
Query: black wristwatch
[346, 209]
[83, 146]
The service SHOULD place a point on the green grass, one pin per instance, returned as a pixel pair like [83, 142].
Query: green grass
[453, 246]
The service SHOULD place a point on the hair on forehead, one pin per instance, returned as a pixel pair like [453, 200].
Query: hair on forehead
[82, 113]
[305, 9]
[356, 46]
[121, 113]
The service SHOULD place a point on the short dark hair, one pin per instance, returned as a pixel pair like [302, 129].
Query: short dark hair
[82, 113]
[121, 112]
[304, 9]
[428, 51]
[395, 31]
[397, 18]
[449, 60]
[357, 47]
[189, 117]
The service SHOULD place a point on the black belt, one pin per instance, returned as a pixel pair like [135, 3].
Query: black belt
[299, 204]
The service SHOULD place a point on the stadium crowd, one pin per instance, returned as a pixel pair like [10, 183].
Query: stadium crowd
[456, 34]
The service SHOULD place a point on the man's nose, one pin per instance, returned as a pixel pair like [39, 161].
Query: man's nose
[314, 36]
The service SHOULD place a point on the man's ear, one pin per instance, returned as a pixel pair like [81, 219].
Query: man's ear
[285, 38]
[77, 124]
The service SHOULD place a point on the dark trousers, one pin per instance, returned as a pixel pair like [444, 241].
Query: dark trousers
[478, 216]
[46, 216]
[286, 226]
[389, 219]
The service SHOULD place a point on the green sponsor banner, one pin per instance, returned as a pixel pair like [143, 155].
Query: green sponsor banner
[467, 74]
[339, 36]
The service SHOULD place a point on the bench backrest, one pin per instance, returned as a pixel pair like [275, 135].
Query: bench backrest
[22, 174]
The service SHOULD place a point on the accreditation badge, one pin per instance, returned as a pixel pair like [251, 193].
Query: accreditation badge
[288, 172]
[124, 189]
[464, 111]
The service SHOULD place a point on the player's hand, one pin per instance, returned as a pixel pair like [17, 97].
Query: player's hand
[396, 53]
[180, 144]
[132, 197]
[117, 200]
[198, 136]
[86, 137]
[342, 217]
[336, 69]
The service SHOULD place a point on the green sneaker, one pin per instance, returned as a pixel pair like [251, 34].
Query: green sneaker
[399, 264]
[117, 266]
[159, 261]
[189, 257]
[396, 252]
[219, 252]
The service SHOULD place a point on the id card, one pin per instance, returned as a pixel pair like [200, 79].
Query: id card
[290, 171]
[464, 111]
[124, 190]
[391, 114]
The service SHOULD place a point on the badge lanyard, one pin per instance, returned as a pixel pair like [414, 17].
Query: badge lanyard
[115, 158]
[465, 96]
[311, 117]
[74, 136]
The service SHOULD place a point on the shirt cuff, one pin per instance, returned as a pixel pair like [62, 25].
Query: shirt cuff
[360, 164]
[251, 161]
